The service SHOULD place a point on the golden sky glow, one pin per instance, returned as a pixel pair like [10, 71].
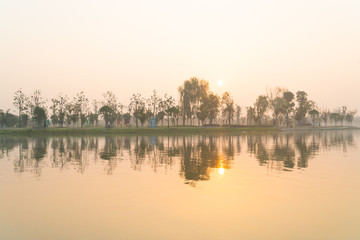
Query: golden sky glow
[126, 47]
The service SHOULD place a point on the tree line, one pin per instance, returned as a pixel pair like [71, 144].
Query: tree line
[197, 105]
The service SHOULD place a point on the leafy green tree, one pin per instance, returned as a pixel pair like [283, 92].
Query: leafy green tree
[94, 116]
[209, 107]
[59, 108]
[277, 103]
[314, 114]
[36, 100]
[343, 113]
[227, 107]
[185, 98]
[24, 119]
[142, 114]
[39, 116]
[137, 106]
[203, 112]
[54, 108]
[350, 117]
[92, 119]
[191, 94]
[260, 107]
[167, 104]
[214, 106]
[335, 117]
[324, 115]
[279, 106]
[72, 111]
[119, 114]
[175, 113]
[4, 118]
[160, 117]
[20, 102]
[289, 105]
[154, 102]
[106, 112]
[81, 107]
[238, 113]
[127, 117]
[303, 106]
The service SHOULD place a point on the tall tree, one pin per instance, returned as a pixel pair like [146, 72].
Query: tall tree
[342, 112]
[72, 112]
[82, 107]
[154, 102]
[279, 107]
[137, 106]
[191, 94]
[94, 115]
[36, 100]
[209, 108]
[4, 118]
[324, 115]
[107, 112]
[227, 107]
[260, 107]
[276, 102]
[350, 117]
[238, 113]
[203, 112]
[335, 117]
[214, 106]
[60, 103]
[20, 102]
[289, 106]
[39, 116]
[314, 114]
[303, 106]
[167, 104]
[175, 112]
[184, 92]
[54, 108]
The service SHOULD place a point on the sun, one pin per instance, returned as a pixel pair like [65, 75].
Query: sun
[220, 83]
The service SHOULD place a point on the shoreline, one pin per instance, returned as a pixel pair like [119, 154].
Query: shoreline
[161, 130]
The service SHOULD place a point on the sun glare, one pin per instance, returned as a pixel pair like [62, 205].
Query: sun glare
[220, 83]
[221, 171]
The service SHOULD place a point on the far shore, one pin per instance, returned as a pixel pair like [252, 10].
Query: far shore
[161, 130]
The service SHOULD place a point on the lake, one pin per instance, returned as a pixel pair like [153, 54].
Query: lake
[291, 185]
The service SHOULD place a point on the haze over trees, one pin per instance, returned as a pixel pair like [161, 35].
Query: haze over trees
[196, 105]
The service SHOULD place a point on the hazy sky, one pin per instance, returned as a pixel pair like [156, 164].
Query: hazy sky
[95, 46]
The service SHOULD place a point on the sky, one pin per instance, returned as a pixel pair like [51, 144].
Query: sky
[136, 46]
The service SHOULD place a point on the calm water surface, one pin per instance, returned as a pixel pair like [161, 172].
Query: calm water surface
[283, 186]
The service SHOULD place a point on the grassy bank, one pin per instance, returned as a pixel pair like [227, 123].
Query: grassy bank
[135, 131]
[159, 130]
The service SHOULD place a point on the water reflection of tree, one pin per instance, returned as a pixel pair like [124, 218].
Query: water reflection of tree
[256, 147]
[281, 150]
[7, 144]
[109, 153]
[22, 163]
[282, 155]
[197, 155]
[200, 155]
[307, 146]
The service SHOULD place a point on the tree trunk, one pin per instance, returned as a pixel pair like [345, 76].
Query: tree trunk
[19, 118]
